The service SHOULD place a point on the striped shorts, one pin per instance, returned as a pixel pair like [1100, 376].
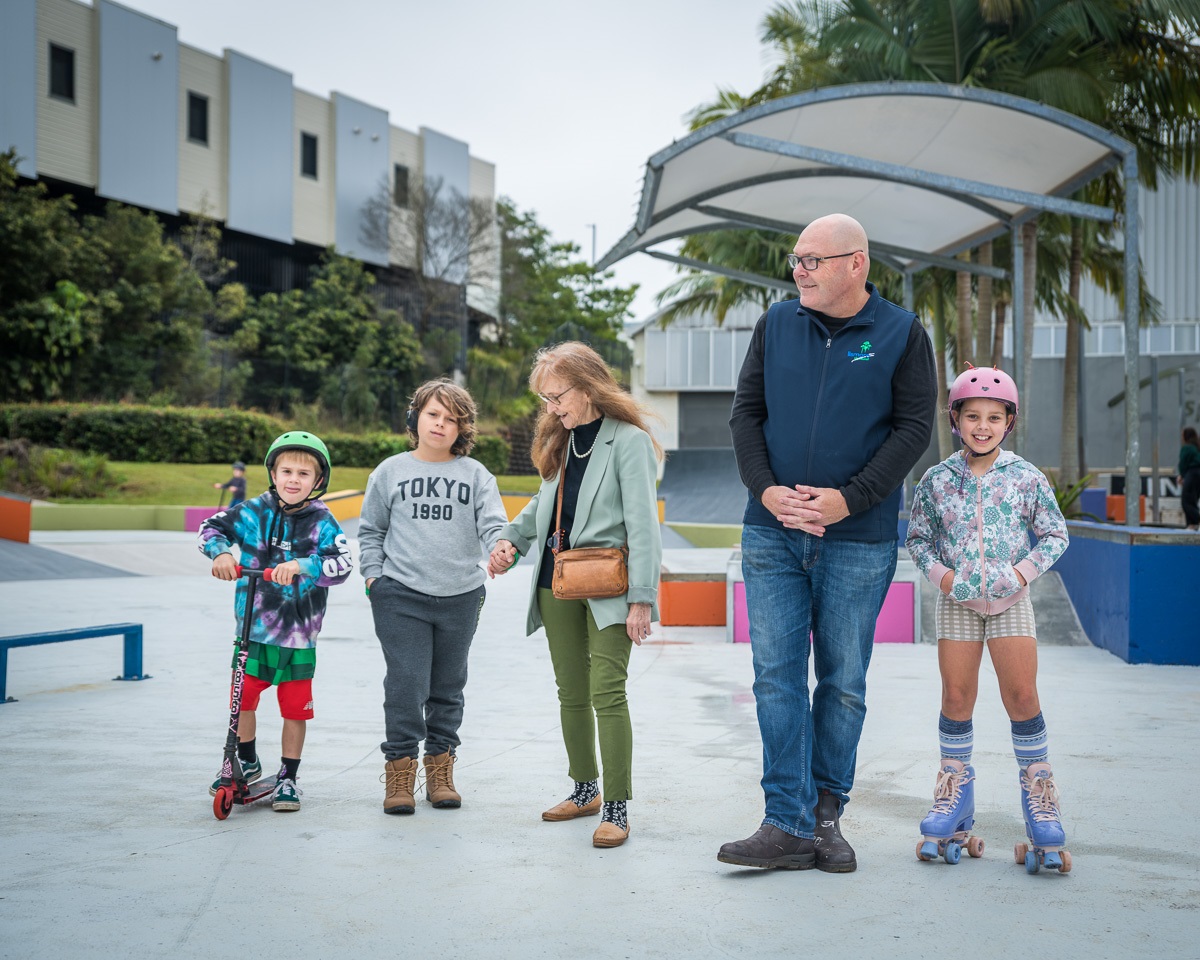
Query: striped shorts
[956, 622]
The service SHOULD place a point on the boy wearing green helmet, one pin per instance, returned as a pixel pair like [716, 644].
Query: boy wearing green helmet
[290, 529]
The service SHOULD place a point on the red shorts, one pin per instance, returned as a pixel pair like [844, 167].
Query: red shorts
[295, 697]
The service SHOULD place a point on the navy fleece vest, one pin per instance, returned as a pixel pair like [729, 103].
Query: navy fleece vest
[829, 404]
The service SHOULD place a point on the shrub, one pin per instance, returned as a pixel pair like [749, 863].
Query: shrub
[144, 434]
[40, 472]
[363, 450]
[492, 452]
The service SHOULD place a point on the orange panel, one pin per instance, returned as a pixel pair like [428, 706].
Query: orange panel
[14, 519]
[692, 603]
[1115, 508]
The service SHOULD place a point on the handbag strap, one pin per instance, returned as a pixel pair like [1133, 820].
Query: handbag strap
[562, 479]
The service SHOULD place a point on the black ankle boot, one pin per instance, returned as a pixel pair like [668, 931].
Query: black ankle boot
[834, 854]
[770, 847]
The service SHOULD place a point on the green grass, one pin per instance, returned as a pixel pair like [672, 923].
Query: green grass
[190, 484]
[709, 534]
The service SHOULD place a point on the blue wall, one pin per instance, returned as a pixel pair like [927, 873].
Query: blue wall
[1135, 592]
[362, 170]
[139, 109]
[447, 166]
[260, 148]
[18, 83]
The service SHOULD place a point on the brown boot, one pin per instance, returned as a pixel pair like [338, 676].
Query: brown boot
[399, 777]
[439, 780]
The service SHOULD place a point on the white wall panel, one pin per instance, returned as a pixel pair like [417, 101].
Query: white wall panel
[312, 213]
[202, 167]
[66, 132]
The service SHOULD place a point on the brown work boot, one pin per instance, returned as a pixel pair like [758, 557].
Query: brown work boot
[439, 780]
[400, 776]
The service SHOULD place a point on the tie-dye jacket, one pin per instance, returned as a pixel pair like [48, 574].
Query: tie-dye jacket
[978, 527]
[266, 535]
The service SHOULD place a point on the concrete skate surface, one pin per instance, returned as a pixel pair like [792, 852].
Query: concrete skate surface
[110, 848]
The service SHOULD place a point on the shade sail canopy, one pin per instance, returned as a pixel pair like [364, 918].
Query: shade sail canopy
[928, 169]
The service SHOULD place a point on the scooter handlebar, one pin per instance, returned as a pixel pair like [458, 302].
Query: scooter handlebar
[267, 573]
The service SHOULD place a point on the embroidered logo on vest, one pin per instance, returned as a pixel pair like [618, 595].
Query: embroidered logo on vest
[863, 352]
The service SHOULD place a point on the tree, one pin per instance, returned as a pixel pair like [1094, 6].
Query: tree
[330, 344]
[48, 322]
[545, 284]
[445, 242]
[152, 307]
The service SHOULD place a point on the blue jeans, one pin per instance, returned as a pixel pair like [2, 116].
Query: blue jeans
[796, 584]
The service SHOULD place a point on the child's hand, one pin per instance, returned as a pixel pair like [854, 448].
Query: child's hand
[285, 573]
[225, 567]
[217, 486]
[947, 583]
[503, 556]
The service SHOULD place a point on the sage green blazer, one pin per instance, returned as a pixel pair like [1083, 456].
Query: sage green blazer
[617, 506]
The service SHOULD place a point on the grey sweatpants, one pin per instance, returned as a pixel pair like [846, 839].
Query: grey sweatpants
[425, 642]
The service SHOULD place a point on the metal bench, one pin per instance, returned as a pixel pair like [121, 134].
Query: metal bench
[133, 648]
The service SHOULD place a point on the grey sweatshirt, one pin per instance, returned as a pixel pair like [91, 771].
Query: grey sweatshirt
[428, 525]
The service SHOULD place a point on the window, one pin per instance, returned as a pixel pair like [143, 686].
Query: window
[62, 73]
[308, 155]
[400, 185]
[197, 118]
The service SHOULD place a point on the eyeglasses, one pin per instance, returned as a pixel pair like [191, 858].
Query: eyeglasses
[811, 263]
[555, 399]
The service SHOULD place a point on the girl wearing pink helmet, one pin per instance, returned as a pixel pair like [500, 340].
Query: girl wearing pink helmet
[972, 520]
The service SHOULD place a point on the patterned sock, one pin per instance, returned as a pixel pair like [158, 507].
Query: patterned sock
[585, 792]
[614, 812]
[956, 737]
[247, 752]
[289, 768]
[1030, 743]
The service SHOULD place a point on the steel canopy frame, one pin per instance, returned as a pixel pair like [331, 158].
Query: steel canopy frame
[1006, 207]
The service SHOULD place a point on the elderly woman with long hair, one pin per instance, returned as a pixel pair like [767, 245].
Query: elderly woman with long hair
[592, 440]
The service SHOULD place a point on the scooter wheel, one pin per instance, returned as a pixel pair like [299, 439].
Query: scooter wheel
[222, 802]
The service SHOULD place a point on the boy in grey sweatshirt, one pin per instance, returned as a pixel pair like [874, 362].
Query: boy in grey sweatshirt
[428, 518]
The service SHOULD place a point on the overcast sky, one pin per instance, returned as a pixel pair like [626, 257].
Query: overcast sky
[568, 100]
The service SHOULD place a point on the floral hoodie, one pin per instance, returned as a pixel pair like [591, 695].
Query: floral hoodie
[978, 527]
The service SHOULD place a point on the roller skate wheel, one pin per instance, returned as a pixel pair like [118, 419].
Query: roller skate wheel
[1031, 862]
[1019, 852]
[975, 847]
[953, 852]
[1066, 862]
[927, 850]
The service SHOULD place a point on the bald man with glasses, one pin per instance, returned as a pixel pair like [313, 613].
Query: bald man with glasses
[834, 406]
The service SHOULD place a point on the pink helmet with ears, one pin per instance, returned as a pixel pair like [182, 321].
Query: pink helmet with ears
[988, 383]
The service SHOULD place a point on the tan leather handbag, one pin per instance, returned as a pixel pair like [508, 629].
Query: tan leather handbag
[586, 573]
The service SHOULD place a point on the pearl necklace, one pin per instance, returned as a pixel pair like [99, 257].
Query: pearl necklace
[583, 456]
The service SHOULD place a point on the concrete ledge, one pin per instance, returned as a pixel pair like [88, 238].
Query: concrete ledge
[106, 516]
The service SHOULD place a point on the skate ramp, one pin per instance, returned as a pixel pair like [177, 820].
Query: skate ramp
[26, 561]
[702, 486]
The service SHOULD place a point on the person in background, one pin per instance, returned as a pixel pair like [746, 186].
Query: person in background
[1189, 478]
[236, 485]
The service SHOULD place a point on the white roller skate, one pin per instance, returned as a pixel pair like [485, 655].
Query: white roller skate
[947, 828]
[1043, 826]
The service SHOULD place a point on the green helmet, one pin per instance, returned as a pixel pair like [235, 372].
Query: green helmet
[308, 443]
